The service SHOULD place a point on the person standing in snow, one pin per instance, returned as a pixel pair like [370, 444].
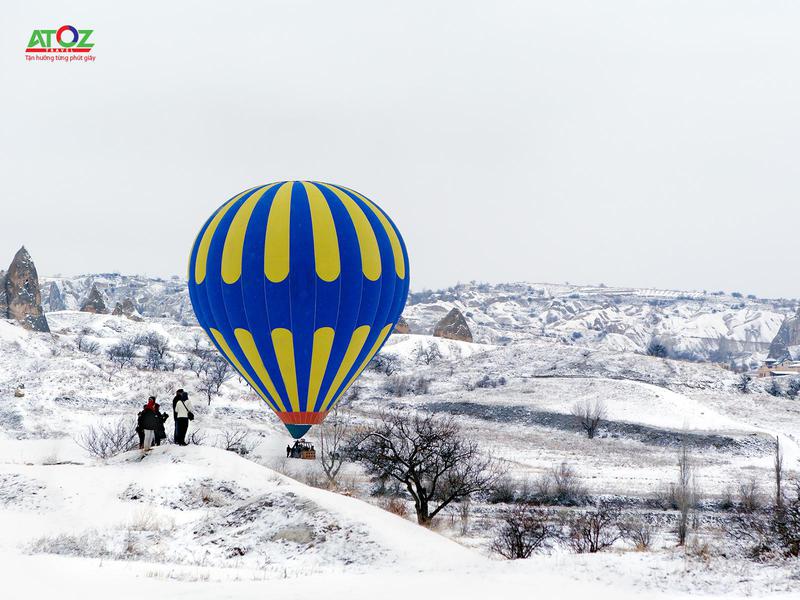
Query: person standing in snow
[161, 433]
[147, 423]
[183, 414]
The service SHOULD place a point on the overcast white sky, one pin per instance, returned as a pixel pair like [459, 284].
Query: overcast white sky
[631, 143]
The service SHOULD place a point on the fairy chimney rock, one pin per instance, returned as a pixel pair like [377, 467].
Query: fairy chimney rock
[454, 327]
[94, 303]
[126, 308]
[402, 326]
[23, 298]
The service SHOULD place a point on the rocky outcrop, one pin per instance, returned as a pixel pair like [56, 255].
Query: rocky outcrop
[787, 337]
[126, 308]
[23, 299]
[55, 299]
[3, 299]
[402, 326]
[453, 327]
[94, 303]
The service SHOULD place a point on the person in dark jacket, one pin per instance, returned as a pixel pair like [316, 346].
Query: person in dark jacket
[161, 432]
[288, 450]
[148, 422]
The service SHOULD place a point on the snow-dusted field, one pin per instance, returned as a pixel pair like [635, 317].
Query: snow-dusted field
[202, 522]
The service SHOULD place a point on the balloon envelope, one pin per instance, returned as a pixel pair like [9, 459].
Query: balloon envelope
[298, 284]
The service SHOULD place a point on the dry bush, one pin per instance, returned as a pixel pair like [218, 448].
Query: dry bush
[638, 532]
[750, 496]
[239, 441]
[593, 530]
[107, 440]
[395, 506]
[560, 486]
[523, 530]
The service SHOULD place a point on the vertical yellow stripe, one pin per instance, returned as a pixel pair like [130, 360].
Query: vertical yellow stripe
[367, 244]
[202, 250]
[276, 245]
[323, 341]
[326, 242]
[350, 355]
[397, 251]
[248, 345]
[234, 241]
[232, 357]
[384, 332]
[283, 342]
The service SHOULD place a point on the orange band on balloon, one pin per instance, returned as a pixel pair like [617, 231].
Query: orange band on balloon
[302, 418]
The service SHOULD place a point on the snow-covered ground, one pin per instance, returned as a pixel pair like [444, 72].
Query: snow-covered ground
[202, 522]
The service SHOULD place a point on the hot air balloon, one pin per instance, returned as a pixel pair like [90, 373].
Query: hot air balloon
[298, 284]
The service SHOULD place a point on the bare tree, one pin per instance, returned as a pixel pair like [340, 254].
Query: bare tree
[153, 360]
[211, 380]
[685, 492]
[429, 456]
[523, 529]
[427, 354]
[589, 414]
[333, 437]
[153, 341]
[122, 354]
[593, 530]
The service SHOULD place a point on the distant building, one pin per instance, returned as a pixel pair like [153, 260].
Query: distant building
[779, 368]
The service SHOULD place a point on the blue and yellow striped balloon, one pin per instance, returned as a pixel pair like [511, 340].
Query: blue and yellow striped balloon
[298, 284]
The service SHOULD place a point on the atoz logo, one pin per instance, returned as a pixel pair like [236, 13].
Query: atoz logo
[65, 39]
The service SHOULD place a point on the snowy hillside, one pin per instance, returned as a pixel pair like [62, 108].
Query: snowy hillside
[202, 517]
[715, 327]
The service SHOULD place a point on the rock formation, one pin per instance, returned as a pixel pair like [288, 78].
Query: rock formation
[22, 297]
[454, 327]
[55, 299]
[94, 303]
[402, 326]
[787, 337]
[126, 308]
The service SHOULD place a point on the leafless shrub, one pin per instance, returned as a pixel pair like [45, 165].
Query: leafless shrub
[560, 486]
[593, 530]
[107, 440]
[589, 415]
[638, 532]
[750, 497]
[198, 437]
[239, 441]
[523, 529]
[395, 506]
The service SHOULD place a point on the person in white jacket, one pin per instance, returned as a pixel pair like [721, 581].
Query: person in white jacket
[182, 408]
